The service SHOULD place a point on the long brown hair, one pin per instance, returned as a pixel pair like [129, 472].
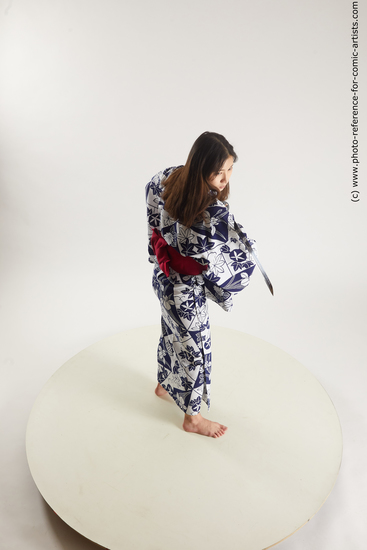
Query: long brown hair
[187, 191]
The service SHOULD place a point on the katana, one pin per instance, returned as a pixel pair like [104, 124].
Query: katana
[247, 244]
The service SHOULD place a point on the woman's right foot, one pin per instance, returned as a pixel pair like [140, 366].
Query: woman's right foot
[199, 425]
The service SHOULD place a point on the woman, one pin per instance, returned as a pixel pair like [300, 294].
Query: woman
[197, 254]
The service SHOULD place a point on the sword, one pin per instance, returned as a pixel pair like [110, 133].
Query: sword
[245, 241]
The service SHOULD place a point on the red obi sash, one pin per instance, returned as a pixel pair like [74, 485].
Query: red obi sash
[168, 257]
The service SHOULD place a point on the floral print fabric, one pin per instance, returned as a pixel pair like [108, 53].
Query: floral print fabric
[184, 350]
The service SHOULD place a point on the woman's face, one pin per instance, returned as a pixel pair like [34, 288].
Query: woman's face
[220, 179]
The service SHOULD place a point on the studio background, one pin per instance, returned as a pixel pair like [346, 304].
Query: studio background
[99, 96]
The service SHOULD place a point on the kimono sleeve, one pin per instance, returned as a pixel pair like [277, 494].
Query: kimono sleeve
[215, 242]
[154, 204]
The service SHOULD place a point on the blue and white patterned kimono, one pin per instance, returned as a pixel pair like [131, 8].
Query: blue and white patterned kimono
[184, 349]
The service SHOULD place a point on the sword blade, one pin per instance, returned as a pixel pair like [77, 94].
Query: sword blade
[253, 254]
[258, 263]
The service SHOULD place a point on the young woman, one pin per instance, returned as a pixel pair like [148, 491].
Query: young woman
[197, 254]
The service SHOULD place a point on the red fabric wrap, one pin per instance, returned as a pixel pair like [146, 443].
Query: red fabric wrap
[168, 257]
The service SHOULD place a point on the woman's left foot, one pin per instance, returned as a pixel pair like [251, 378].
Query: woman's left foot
[160, 390]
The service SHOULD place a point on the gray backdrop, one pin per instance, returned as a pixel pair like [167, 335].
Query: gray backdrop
[97, 96]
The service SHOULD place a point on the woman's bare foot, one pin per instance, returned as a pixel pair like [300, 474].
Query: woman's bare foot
[199, 425]
[160, 390]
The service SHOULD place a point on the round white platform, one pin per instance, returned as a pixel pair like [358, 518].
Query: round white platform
[113, 462]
